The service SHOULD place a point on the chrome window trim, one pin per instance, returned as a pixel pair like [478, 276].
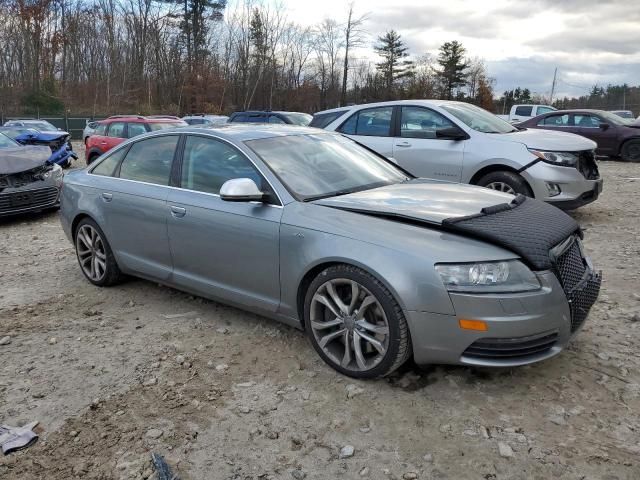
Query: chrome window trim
[205, 135]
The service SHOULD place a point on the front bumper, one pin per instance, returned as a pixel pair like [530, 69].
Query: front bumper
[523, 328]
[575, 189]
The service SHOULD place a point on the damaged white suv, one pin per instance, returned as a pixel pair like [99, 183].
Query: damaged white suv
[460, 142]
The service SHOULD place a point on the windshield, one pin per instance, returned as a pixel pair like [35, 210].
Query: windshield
[615, 119]
[302, 119]
[324, 165]
[164, 125]
[478, 119]
[6, 142]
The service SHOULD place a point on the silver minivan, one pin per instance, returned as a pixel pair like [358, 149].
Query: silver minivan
[460, 142]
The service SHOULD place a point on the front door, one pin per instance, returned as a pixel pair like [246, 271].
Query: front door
[417, 149]
[227, 250]
[590, 126]
[371, 127]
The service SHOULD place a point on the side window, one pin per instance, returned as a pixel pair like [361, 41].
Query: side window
[135, 129]
[418, 122]
[555, 121]
[323, 119]
[150, 160]
[542, 110]
[586, 121]
[524, 110]
[196, 121]
[257, 118]
[240, 118]
[108, 166]
[208, 163]
[371, 121]
[275, 119]
[116, 129]
[101, 129]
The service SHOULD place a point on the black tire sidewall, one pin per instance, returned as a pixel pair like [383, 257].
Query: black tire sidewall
[388, 304]
[512, 179]
[112, 275]
[623, 152]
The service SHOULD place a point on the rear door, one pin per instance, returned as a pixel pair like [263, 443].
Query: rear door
[371, 127]
[134, 203]
[116, 134]
[229, 250]
[417, 149]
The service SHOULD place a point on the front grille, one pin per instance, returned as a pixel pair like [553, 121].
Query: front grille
[580, 283]
[587, 165]
[511, 348]
[27, 199]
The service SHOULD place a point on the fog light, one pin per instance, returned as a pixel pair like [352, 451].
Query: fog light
[478, 325]
[553, 189]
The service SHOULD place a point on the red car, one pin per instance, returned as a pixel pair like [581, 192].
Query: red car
[115, 130]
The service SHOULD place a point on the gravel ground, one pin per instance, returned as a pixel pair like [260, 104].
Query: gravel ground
[115, 374]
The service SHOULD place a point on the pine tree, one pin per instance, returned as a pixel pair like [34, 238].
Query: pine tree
[394, 65]
[453, 67]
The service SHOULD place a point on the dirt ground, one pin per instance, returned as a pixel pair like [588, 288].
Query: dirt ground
[115, 374]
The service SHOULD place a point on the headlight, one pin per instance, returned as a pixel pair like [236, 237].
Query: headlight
[509, 276]
[55, 172]
[566, 159]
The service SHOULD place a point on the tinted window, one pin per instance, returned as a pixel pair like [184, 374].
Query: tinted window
[239, 118]
[321, 120]
[275, 119]
[136, 129]
[195, 121]
[256, 118]
[150, 160]
[372, 122]
[208, 163]
[586, 121]
[107, 166]
[417, 122]
[555, 121]
[116, 129]
[524, 111]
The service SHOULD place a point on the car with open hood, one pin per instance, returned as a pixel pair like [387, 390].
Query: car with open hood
[459, 142]
[29, 181]
[59, 142]
[310, 228]
[614, 135]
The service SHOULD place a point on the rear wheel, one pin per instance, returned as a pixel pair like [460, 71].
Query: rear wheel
[355, 324]
[95, 257]
[507, 182]
[91, 158]
[630, 151]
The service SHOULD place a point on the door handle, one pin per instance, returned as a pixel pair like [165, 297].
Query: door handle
[107, 197]
[403, 144]
[178, 211]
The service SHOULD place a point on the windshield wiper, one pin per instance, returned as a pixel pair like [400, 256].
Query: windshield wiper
[332, 194]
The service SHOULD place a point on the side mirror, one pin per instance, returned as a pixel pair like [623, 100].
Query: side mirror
[241, 190]
[604, 126]
[451, 133]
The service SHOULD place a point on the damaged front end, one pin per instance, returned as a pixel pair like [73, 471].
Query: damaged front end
[59, 143]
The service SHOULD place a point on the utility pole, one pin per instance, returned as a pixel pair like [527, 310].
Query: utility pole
[553, 86]
[624, 96]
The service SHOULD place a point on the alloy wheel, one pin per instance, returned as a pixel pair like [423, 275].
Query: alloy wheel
[349, 324]
[501, 187]
[91, 253]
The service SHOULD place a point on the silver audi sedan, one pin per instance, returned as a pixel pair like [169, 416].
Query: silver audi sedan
[312, 229]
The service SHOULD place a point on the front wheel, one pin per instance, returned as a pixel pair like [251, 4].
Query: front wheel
[95, 257]
[355, 324]
[631, 151]
[507, 182]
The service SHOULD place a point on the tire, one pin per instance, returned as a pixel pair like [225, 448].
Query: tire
[505, 181]
[630, 151]
[92, 158]
[107, 271]
[381, 320]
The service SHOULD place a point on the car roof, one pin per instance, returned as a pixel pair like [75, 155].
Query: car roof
[576, 110]
[425, 102]
[242, 132]
[138, 119]
[284, 112]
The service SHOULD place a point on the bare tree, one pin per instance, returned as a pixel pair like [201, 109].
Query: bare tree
[354, 37]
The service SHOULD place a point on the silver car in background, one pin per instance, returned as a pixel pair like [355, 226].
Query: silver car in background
[312, 229]
[460, 142]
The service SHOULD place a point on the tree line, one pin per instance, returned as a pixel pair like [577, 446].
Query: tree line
[99, 57]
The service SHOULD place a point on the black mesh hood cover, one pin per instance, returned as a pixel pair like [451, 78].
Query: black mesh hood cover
[527, 227]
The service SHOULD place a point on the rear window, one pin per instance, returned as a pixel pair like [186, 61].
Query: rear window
[301, 119]
[524, 111]
[150, 160]
[321, 120]
[164, 125]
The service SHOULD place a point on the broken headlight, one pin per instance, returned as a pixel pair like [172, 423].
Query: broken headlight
[507, 276]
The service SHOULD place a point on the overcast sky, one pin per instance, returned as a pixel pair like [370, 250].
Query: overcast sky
[522, 41]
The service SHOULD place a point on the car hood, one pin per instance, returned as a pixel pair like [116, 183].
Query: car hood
[41, 137]
[420, 199]
[20, 159]
[547, 140]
